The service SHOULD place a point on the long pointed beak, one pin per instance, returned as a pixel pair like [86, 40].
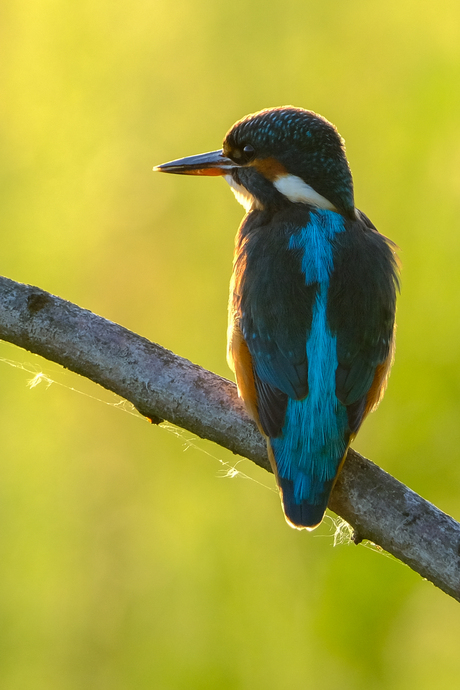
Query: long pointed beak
[211, 163]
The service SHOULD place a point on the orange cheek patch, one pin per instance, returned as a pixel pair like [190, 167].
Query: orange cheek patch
[269, 168]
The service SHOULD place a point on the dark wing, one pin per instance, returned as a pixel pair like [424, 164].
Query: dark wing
[273, 308]
[361, 313]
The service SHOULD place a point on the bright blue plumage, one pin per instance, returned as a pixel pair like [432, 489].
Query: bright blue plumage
[312, 298]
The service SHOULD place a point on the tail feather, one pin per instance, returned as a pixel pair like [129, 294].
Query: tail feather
[303, 515]
[304, 511]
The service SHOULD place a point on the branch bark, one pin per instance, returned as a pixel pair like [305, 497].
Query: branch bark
[162, 385]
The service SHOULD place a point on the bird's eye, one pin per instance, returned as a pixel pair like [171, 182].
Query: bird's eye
[242, 155]
[248, 152]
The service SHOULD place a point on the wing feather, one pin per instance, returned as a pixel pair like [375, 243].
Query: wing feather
[270, 311]
[361, 312]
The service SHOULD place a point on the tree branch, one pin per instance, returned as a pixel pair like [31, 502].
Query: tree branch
[162, 385]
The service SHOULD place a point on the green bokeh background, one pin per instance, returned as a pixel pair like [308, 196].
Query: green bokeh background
[127, 559]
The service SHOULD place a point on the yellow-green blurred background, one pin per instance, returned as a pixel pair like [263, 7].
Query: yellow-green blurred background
[127, 559]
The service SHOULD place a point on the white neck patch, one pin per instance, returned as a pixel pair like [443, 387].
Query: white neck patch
[242, 195]
[296, 190]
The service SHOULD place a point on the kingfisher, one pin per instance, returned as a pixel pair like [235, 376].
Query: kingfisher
[312, 297]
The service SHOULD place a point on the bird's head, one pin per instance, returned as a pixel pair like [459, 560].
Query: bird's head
[276, 157]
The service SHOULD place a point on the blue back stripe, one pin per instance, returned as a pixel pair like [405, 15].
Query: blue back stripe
[313, 438]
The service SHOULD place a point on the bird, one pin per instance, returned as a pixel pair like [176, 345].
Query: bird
[312, 297]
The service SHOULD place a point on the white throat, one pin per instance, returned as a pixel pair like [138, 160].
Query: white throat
[242, 195]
